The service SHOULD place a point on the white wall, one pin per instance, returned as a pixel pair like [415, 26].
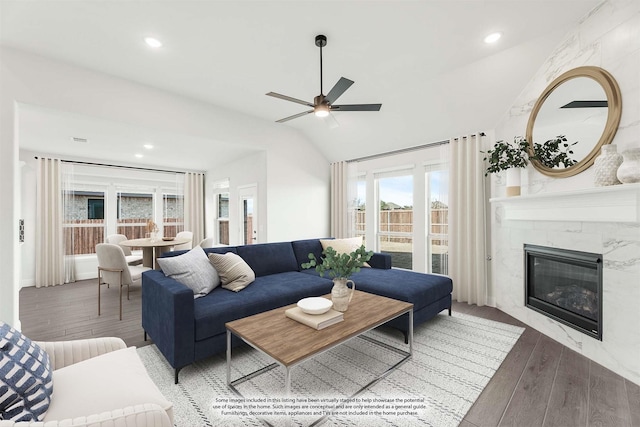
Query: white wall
[609, 38]
[9, 194]
[300, 185]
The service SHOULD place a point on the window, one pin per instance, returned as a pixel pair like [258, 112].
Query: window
[395, 217]
[407, 199]
[223, 218]
[437, 197]
[95, 208]
[134, 211]
[83, 225]
[99, 202]
[172, 214]
[221, 200]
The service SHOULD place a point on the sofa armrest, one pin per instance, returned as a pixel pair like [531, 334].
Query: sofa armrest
[380, 260]
[168, 317]
[146, 415]
[65, 353]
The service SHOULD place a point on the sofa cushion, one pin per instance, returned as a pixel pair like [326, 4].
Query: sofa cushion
[235, 274]
[104, 383]
[269, 258]
[193, 270]
[266, 293]
[26, 382]
[405, 285]
[302, 249]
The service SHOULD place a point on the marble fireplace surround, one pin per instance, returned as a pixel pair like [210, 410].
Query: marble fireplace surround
[602, 220]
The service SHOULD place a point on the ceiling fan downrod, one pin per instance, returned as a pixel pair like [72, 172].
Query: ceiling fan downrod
[321, 41]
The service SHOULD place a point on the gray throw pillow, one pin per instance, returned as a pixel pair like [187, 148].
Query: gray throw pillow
[193, 270]
[234, 272]
[26, 379]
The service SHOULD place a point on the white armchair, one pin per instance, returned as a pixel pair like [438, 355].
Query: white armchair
[116, 239]
[184, 246]
[100, 383]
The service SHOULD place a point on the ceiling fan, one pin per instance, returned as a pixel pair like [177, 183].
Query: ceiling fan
[323, 104]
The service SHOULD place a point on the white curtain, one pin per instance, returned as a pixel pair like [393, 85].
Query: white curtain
[70, 234]
[194, 205]
[343, 199]
[467, 221]
[50, 265]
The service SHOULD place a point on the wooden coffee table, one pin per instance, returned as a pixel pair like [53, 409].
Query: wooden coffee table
[289, 342]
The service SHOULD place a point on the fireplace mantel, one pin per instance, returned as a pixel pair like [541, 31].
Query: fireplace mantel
[616, 203]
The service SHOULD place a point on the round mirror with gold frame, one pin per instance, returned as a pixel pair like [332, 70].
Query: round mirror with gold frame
[584, 105]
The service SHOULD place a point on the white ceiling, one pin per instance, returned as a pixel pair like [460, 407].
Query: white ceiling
[425, 61]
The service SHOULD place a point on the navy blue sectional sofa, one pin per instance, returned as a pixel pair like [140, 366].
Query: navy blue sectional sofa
[186, 330]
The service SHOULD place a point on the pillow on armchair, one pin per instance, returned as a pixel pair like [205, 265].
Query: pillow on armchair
[26, 381]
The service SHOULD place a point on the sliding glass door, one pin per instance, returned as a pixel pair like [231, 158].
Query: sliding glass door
[394, 228]
[437, 217]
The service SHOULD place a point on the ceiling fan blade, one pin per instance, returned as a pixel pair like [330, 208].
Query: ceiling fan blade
[295, 116]
[340, 87]
[356, 107]
[288, 98]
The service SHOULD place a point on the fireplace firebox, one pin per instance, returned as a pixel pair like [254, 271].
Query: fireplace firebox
[565, 285]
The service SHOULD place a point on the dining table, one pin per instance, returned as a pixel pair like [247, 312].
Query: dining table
[152, 249]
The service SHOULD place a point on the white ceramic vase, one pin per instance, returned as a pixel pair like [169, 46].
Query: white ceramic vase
[606, 166]
[629, 170]
[513, 181]
[341, 294]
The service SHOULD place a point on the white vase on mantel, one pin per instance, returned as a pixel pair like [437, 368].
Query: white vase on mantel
[606, 166]
[629, 170]
[513, 181]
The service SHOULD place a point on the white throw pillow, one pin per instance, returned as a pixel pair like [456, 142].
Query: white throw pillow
[193, 270]
[343, 246]
[234, 272]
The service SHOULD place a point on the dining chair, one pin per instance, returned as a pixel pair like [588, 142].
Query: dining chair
[114, 270]
[184, 235]
[206, 243]
[131, 259]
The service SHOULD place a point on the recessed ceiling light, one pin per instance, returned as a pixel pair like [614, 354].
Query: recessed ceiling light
[139, 155]
[153, 42]
[492, 38]
[148, 146]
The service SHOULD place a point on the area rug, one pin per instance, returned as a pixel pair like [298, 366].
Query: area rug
[454, 359]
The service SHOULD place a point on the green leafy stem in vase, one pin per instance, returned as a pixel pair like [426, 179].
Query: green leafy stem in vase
[339, 265]
[505, 155]
[552, 155]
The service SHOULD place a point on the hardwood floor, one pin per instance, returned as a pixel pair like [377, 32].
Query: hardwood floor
[540, 383]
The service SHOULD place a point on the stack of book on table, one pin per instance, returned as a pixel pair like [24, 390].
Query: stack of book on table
[317, 321]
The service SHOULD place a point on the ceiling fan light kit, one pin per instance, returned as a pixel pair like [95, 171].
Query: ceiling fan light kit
[323, 105]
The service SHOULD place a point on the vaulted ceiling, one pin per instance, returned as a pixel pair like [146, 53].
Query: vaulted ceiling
[425, 61]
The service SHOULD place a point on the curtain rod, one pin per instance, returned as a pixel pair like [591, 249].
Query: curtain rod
[406, 150]
[117, 166]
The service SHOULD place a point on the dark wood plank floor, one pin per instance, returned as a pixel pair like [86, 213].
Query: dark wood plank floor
[540, 383]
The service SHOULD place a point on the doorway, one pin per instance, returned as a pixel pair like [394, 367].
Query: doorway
[248, 214]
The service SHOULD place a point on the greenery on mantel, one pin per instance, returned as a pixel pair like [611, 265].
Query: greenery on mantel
[506, 155]
[339, 265]
[554, 152]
